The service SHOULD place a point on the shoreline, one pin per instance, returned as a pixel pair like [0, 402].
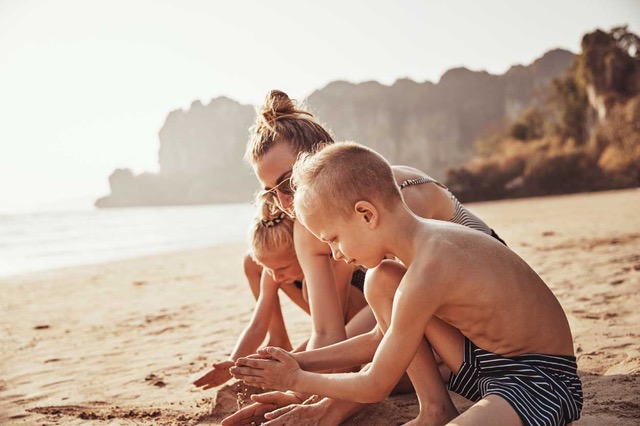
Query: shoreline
[41, 242]
[141, 256]
[33, 274]
[121, 341]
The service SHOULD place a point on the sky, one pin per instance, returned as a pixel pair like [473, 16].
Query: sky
[86, 85]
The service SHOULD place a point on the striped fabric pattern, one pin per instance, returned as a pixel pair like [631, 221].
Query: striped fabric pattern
[357, 279]
[461, 215]
[542, 389]
[464, 217]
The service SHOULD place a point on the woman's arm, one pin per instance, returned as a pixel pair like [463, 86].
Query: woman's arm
[327, 315]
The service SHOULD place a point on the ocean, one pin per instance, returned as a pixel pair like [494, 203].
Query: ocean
[41, 241]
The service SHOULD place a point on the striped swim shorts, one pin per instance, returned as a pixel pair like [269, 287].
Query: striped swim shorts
[542, 389]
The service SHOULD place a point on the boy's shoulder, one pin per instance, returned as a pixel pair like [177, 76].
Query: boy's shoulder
[435, 249]
[443, 249]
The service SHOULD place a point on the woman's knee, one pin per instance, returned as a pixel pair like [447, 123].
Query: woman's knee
[382, 282]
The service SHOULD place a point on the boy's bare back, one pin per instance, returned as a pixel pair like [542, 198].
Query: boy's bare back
[486, 291]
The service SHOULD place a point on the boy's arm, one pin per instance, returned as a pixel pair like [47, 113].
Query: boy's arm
[412, 310]
[324, 300]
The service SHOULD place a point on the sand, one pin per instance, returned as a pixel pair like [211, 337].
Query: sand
[119, 343]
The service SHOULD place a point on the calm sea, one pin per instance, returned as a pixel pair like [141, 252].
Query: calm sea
[40, 241]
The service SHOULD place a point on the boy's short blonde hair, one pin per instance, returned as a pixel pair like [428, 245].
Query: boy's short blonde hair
[271, 232]
[335, 178]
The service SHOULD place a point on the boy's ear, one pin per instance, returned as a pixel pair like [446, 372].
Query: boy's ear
[367, 212]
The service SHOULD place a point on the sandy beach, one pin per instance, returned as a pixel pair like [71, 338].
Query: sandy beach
[120, 343]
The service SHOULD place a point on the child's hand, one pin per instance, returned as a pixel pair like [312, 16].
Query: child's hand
[276, 370]
[217, 376]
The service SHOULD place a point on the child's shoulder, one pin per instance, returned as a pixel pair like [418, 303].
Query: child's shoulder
[434, 243]
[458, 249]
[442, 244]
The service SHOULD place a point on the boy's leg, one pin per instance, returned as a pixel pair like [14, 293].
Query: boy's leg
[436, 406]
[447, 342]
[491, 410]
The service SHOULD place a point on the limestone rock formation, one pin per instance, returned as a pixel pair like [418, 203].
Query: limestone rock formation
[432, 126]
[201, 160]
[429, 126]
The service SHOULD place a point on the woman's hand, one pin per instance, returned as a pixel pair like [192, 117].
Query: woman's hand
[273, 368]
[260, 410]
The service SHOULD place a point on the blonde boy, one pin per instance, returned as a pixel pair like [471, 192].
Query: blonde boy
[483, 310]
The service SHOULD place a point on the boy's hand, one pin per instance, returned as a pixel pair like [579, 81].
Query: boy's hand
[279, 371]
[263, 404]
[217, 376]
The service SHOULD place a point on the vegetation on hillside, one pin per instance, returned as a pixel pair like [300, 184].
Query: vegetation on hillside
[583, 134]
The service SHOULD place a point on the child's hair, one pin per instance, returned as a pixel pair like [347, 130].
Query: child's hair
[271, 231]
[281, 119]
[341, 174]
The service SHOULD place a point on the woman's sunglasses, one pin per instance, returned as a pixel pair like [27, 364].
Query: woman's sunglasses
[284, 188]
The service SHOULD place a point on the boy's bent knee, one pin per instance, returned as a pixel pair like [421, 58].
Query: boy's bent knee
[382, 281]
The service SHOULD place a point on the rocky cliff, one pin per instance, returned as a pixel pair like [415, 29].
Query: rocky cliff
[429, 126]
[201, 160]
[433, 126]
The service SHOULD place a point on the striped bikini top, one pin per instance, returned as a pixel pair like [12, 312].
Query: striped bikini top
[461, 215]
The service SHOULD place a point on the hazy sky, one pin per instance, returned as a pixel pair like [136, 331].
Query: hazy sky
[85, 85]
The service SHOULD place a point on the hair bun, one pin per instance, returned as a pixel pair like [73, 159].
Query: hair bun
[277, 104]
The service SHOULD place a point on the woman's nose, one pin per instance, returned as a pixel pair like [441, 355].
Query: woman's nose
[337, 255]
[285, 200]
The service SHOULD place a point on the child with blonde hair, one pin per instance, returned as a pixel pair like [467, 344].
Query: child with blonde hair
[483, 310]
[271, 247]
